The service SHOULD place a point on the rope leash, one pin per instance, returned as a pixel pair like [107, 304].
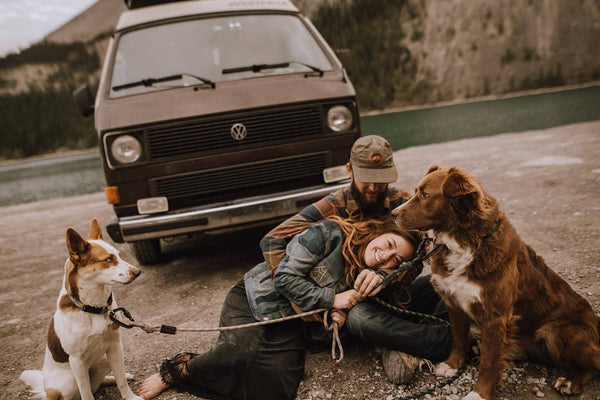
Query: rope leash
[336, 344]
[406, 265]
[388, 280]
[438, 385]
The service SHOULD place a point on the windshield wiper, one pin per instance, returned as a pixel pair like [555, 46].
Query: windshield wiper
[259, 67]
[151, 81]
[315, 69]
[254, 68]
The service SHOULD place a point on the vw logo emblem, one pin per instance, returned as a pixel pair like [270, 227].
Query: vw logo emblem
[238, 131]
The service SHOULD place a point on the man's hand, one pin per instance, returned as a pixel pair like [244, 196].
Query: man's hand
[346, 300]
[365, 282]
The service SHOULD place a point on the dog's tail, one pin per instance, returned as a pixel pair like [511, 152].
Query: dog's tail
[35, 381]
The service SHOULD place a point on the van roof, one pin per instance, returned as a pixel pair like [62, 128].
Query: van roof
[186, 8]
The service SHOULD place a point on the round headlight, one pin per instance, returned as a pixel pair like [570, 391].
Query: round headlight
[126, 149]
[339, 118]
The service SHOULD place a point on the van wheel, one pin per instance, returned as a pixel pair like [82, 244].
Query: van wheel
[147, 251]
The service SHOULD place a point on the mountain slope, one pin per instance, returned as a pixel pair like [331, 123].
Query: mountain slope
[101, 17]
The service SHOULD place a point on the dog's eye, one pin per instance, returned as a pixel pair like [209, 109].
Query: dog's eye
[425, 194]
[109, 259]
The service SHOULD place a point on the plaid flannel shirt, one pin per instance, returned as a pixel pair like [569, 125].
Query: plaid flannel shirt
[340, 203]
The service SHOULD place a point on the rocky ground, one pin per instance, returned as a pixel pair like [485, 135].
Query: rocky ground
[547, 182]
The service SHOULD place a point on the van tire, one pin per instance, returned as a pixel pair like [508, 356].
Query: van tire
[147, 251]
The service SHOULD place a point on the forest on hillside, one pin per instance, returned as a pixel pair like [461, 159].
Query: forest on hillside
[401, 53]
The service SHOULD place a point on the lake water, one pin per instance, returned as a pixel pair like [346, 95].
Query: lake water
[48, 178]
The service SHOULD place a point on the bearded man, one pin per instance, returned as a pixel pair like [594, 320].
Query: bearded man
[371, 168]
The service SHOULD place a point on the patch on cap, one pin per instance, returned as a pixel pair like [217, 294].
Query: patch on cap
[376, 159]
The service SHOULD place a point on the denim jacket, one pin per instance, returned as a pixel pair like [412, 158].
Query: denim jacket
[310, 274]
[341, 203]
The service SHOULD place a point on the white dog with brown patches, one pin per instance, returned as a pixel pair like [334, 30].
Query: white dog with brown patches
[83, 343]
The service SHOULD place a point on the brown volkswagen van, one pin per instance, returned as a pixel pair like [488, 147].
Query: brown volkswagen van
[217, 114]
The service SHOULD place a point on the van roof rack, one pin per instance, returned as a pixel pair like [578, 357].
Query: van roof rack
[131, 4]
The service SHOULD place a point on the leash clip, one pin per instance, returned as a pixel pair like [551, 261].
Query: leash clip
[117, 321]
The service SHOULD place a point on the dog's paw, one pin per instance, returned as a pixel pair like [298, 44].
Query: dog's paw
[473, 396]
[443, 369]
[565, 386]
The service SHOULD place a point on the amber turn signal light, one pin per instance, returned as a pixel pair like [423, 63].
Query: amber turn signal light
[112, 194]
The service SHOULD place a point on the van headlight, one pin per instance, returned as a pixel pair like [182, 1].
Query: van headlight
[339, 118]
[126, 149]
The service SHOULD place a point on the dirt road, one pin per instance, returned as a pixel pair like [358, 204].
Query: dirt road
[547, 182]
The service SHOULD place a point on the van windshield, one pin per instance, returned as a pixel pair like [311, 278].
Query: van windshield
[207, 47]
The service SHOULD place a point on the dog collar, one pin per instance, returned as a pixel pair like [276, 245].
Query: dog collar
[93, 309]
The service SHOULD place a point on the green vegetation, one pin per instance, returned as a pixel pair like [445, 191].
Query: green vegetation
[75, 56]
[507, 57]
[44, 119]
[544, 79]
[40, 122]
[381, 66]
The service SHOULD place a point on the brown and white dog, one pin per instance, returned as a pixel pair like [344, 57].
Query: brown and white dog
[83, 346]
[489, 278]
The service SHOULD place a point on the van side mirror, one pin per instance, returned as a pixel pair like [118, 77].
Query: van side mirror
[85, 100]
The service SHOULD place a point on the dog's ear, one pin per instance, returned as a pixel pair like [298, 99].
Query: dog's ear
[76, 245]
[458, 183]
[432, 167]
[95, 231]
[465, 194]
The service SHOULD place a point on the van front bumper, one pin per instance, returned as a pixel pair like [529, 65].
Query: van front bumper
[210, 217]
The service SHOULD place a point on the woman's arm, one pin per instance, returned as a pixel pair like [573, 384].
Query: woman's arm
[303, 254]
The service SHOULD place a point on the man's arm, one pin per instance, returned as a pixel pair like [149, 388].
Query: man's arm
[273, 244]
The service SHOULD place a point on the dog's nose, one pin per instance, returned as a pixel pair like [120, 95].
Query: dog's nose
[135, 272]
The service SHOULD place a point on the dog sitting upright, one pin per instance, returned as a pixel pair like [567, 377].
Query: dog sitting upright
[488, 277]
[83, 344]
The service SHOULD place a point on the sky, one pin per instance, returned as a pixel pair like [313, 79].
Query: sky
[24, 22]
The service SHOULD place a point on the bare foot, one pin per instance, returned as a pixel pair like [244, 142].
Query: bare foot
[152, 387]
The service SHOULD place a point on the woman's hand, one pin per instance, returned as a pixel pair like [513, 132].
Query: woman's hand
[339, 316]
[346, 300]
[365, 282]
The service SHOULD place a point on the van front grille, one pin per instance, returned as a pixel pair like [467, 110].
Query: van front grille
[210, 135]
[243, 177]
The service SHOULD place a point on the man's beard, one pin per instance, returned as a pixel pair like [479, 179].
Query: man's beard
[368, 208]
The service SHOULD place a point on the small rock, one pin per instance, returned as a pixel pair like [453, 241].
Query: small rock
[539, 393]
[542, 381]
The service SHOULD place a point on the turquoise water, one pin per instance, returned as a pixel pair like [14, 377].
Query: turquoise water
[48, 178]
[485, 118]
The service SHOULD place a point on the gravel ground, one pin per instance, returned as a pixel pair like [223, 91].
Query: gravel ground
[547, 182]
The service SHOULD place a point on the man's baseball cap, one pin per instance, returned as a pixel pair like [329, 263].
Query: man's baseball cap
[372, 160]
